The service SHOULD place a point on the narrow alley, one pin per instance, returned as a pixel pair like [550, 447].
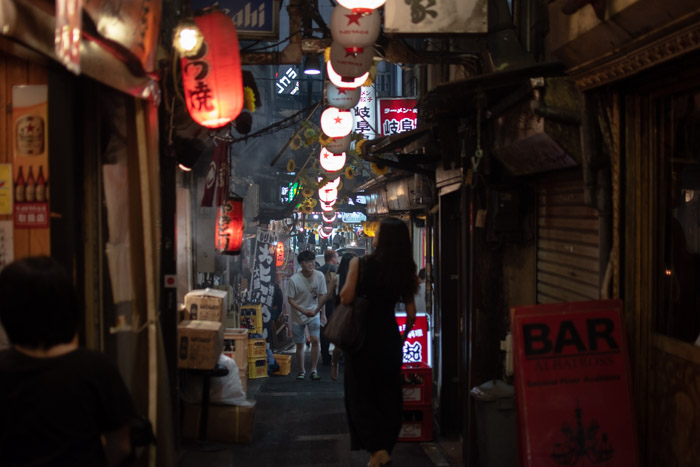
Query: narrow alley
[302, 423]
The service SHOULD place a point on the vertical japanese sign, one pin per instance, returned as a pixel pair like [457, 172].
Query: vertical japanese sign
[31, 156]
[366, 113]
[417, 347]
[261, 288]
[572, 385]
[397, 115]
[7, 243]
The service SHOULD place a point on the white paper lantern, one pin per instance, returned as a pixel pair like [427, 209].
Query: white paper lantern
[362, 5]
[339, 145]
[338, 80]
[327, 207]
[354, 30]
[332, 162]
[329, 218]
[337, 123]
[351, 64]
[342, 98]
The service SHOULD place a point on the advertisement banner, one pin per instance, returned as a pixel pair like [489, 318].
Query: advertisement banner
[254, 19]
[397, 115]
[31, 156]
[261, 288]
[572, 385]
[417, 348]
[433, 17]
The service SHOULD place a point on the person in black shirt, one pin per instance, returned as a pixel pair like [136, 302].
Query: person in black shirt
[60, 404]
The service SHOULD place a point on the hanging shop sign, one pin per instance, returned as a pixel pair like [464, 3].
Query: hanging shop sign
[572, 377]
[279, 255]
[263, 274]
[443, 17]
[254, 19]
[31, 157]
[229, 226]
[416, 348]
[366, 113]
[342, 98]
[212, 79]
[397, 115]
[354, 30]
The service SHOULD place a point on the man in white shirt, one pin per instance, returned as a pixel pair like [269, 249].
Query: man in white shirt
[306, 294]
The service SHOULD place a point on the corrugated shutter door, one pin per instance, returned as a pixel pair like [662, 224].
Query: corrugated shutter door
[568, 244]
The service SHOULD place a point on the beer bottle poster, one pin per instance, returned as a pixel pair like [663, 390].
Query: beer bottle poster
[30, 146]
[573, 392]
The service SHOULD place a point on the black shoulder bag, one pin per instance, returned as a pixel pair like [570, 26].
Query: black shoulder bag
[347, 326]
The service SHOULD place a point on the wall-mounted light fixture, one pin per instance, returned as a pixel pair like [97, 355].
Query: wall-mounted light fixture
[312, 65]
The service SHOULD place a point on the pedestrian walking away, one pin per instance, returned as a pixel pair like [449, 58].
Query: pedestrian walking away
[372, 375]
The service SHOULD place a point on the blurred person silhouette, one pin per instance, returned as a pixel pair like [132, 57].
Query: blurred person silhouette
[60, 404]
[420, 295]
[306, 294]
[373, 386]
[342, 276]
[330, 273]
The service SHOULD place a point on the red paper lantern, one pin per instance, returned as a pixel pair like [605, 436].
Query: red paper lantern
[279, 254]
[212, 79]
[229, 227]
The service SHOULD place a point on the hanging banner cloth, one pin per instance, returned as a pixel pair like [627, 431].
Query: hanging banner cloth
[216, 182]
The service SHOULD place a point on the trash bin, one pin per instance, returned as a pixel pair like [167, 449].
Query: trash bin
[496, 424]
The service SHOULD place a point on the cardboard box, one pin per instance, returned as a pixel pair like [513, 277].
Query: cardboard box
[236, 346]
[206, 305]
[225, 423]
[199, 344]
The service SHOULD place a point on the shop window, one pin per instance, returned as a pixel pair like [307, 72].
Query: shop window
[678, 142]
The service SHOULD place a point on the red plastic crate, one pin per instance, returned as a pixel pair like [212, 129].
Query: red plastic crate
[417, 384]
[417, 424]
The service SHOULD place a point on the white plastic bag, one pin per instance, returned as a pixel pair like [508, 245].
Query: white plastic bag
[226, 390]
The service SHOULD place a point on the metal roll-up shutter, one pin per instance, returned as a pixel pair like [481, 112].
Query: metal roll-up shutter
[568, 244]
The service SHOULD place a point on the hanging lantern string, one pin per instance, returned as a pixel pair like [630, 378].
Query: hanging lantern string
[277, 126]
[279, 154]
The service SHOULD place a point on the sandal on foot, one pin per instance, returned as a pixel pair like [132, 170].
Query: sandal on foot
[315, 376]
[301, 375]
[334, 372]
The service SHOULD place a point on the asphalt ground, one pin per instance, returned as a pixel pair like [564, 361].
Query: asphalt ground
[303, 423]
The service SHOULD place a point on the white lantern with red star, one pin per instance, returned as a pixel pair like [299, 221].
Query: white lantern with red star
[337, 123]
[350, 64]
[341, 82]
[329, 218]
[327, 207]
[339, 145]
[361, 5]
[354, 30]
[342, 98]
[332, 162]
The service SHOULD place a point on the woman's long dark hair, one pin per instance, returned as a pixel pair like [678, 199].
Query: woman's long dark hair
[343, 268]
[396, 270]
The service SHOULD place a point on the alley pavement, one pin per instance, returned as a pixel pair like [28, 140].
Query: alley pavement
[302, 423]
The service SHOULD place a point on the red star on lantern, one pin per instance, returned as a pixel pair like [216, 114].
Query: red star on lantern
[354, 18]
[338, 120]
[342, 91]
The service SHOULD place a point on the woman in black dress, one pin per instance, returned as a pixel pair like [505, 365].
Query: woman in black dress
[373, 393]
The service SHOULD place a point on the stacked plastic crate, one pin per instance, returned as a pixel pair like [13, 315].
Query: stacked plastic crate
[417, 403]
[251, 319]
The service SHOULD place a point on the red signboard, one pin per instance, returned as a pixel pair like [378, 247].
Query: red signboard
[572, 385]
[416, 349]
[397, 115]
